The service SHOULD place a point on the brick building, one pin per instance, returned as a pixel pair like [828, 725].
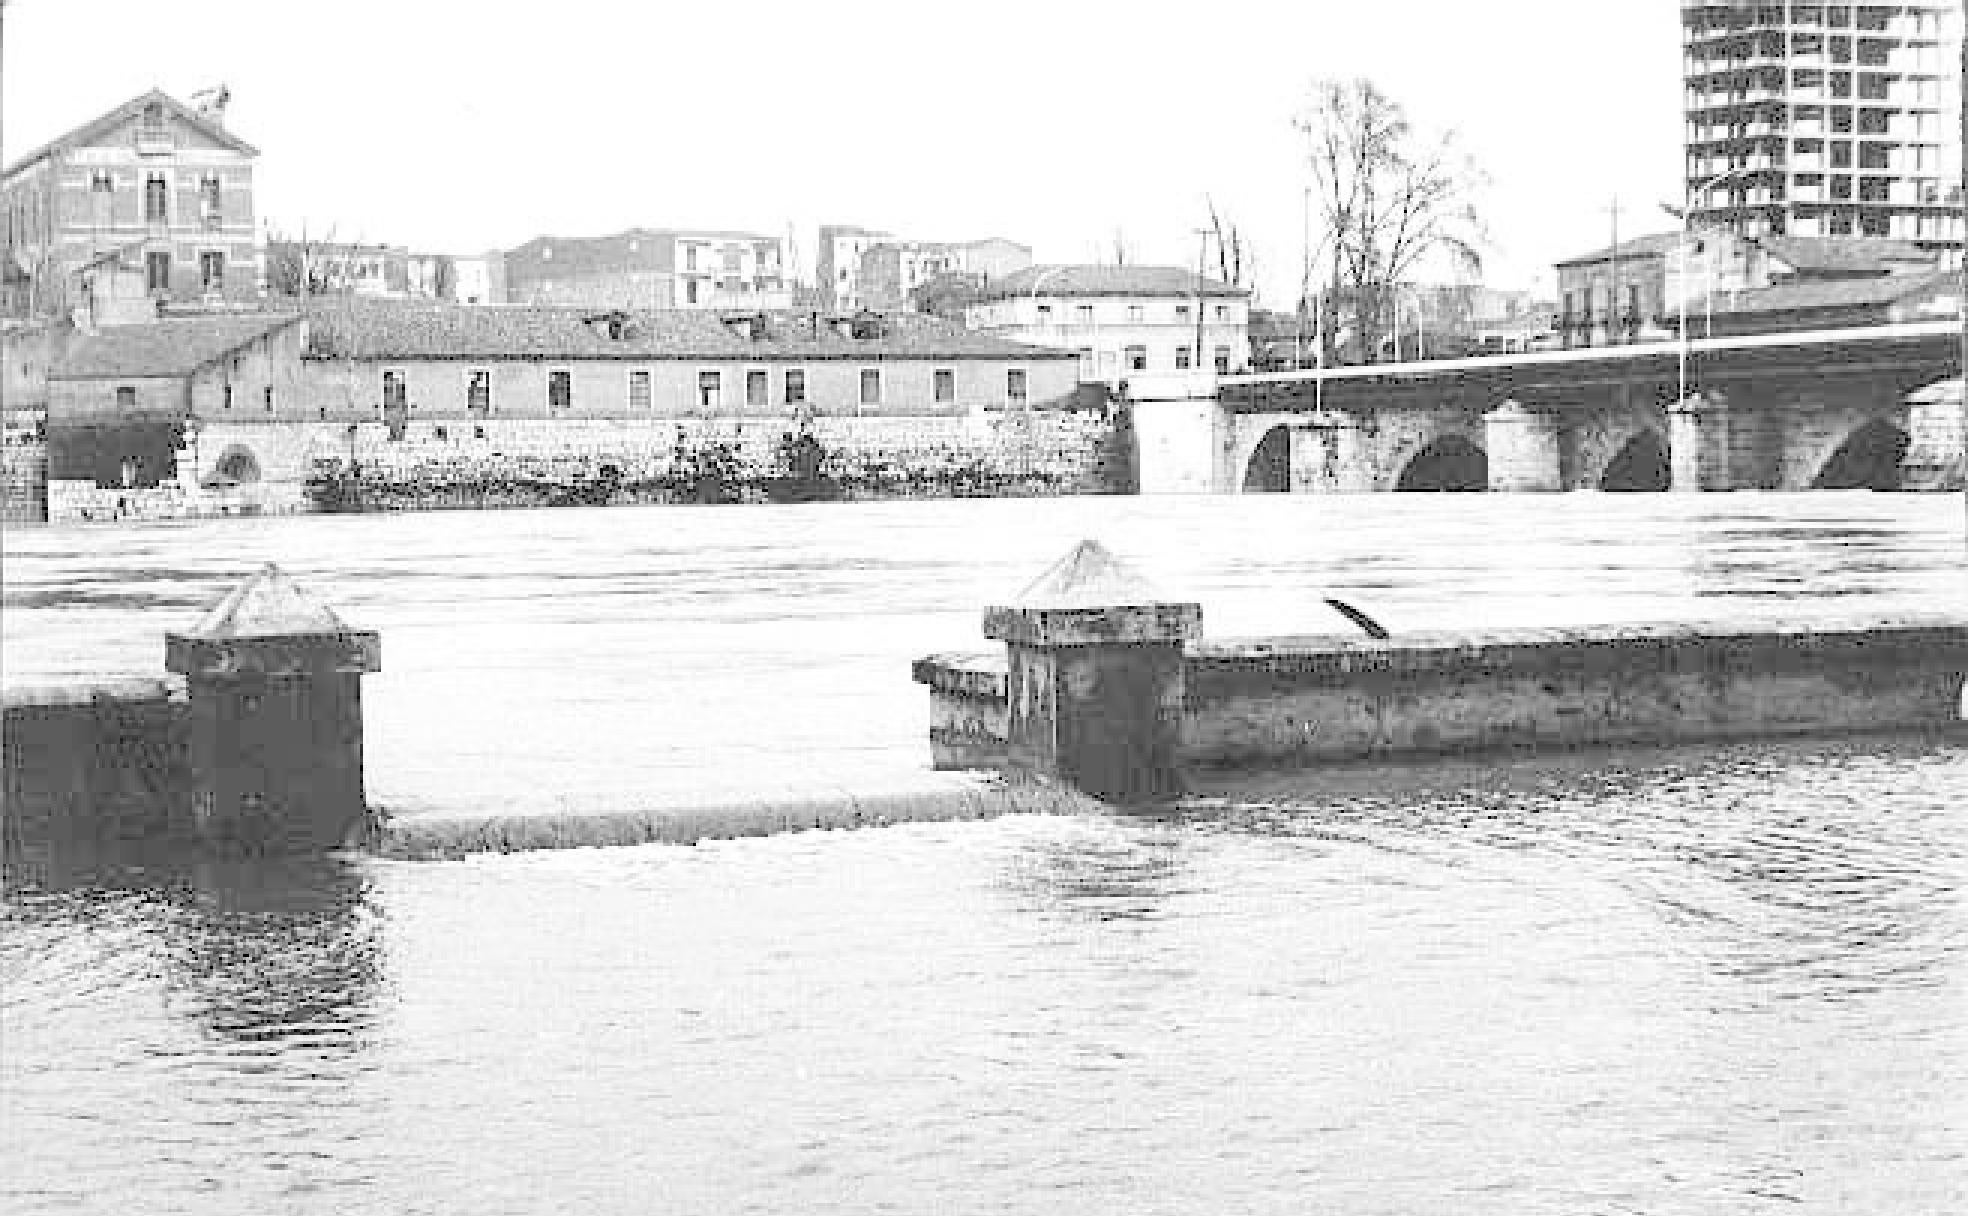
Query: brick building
[154, 180]
[650, 268]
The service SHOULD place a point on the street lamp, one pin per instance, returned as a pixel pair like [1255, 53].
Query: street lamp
[1685, 215]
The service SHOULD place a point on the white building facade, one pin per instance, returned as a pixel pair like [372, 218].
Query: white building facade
[1121, 321]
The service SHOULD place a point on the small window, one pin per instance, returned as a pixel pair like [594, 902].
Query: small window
[1015, 386]
[1045, 314]
[560, 390]
[1135, 312]
[1137, 358]
[1181, 358]
[395, 396]
[211, 270]
[156, 199]
[1222, 312]
[157, 270]
[946, 384]
[225, 397]
[710, 389]
[1222, 360]
[690, 291]
[478, 392]
[101, 182]
[1182, 312]
[208, 200]
[126, 397]
[1083, 313]
[758, 386]
[266, 395]
[870, 386]
[795, 385]
[639, 390]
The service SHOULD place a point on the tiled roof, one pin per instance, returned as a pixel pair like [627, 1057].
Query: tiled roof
[168, 346]
[1658, 244]
[1107, 281]
[402, 330]
[128, 110]
[1841, 253]
[1832, 293]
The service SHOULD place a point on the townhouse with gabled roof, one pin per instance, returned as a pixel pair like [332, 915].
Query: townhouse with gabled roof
[160, 183]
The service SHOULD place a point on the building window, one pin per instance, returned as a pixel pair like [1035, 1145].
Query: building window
[758, 386]
[126, 398]
[101, 182]
[211, 270]
[1222, 360]
[946, 384]
[733, 262]
[1135, 312]
[1136, 358]
[1083, 313]
[1087, 365]
[157, 198]
[1181, 358]
[639, 390]
[710, 389]
[870, 386]
[1182, 312]
[690, 257]
[1223, 312]
[795, 385]
[395, 395]
[266, 395]
[1045, 314]
[690, 291]
[560, 390]
[208, 200]
[157, 270]
[478, 392]
[225, 397]
[1015, 386]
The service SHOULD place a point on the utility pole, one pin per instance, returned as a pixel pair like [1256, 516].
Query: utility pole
[1202, 263]
[1613, 290]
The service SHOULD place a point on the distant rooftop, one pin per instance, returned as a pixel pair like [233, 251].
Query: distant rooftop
[1834, 293]
[1651, 246]
[381, 329]
[1144, 281]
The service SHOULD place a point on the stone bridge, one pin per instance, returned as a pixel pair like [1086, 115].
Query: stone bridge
[1829, 409]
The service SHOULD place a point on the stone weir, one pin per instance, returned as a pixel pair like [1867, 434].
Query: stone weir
[1105, 684]
[256, 747]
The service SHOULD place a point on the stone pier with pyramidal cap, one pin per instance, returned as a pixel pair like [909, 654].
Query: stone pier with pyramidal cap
[1094, 661]
[275, 718]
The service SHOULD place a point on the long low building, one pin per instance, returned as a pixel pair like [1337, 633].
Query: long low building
[260, 400]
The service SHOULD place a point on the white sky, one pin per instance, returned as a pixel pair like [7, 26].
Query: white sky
[459, 127]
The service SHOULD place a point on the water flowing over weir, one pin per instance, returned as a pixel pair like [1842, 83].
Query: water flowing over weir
[1714, 979]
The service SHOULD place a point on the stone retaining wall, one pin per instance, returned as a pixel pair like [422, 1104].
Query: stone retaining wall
[101, 761]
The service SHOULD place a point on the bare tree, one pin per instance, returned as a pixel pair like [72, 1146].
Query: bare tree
[1390, 197]
[1236, 264]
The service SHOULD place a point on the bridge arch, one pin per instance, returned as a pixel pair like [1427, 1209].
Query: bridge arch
[1447, 462]
[1868, 458]
[1268, 468]
[1639, 464]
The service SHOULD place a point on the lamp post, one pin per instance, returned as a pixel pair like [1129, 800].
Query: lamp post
[1686, 216]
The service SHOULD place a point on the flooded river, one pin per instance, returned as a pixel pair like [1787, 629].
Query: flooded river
[1724, 979]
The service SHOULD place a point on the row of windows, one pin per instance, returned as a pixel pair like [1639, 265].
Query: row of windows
[710, 388]
[126, 397]
[1135, 359]
[1136, 313]
[211, 270]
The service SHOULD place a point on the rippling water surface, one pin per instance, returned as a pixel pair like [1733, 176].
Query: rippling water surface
[1728, 979]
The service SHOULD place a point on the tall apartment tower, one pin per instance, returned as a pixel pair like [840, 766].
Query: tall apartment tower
[1807, 119]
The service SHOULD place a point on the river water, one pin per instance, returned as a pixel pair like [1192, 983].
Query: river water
[1717, 979]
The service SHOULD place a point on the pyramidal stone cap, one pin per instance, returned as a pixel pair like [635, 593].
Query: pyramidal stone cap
[1090, 597]
[268, 625]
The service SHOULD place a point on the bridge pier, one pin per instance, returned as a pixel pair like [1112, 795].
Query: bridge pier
[1329, 454]
[1180, 432]
[1698, 442]
[1525, 449]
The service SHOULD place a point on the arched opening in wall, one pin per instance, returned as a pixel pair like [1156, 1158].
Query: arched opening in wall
[1449, 463]
[237, 466]
[1641, 465]
[1869, 459]
[1269, 470]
